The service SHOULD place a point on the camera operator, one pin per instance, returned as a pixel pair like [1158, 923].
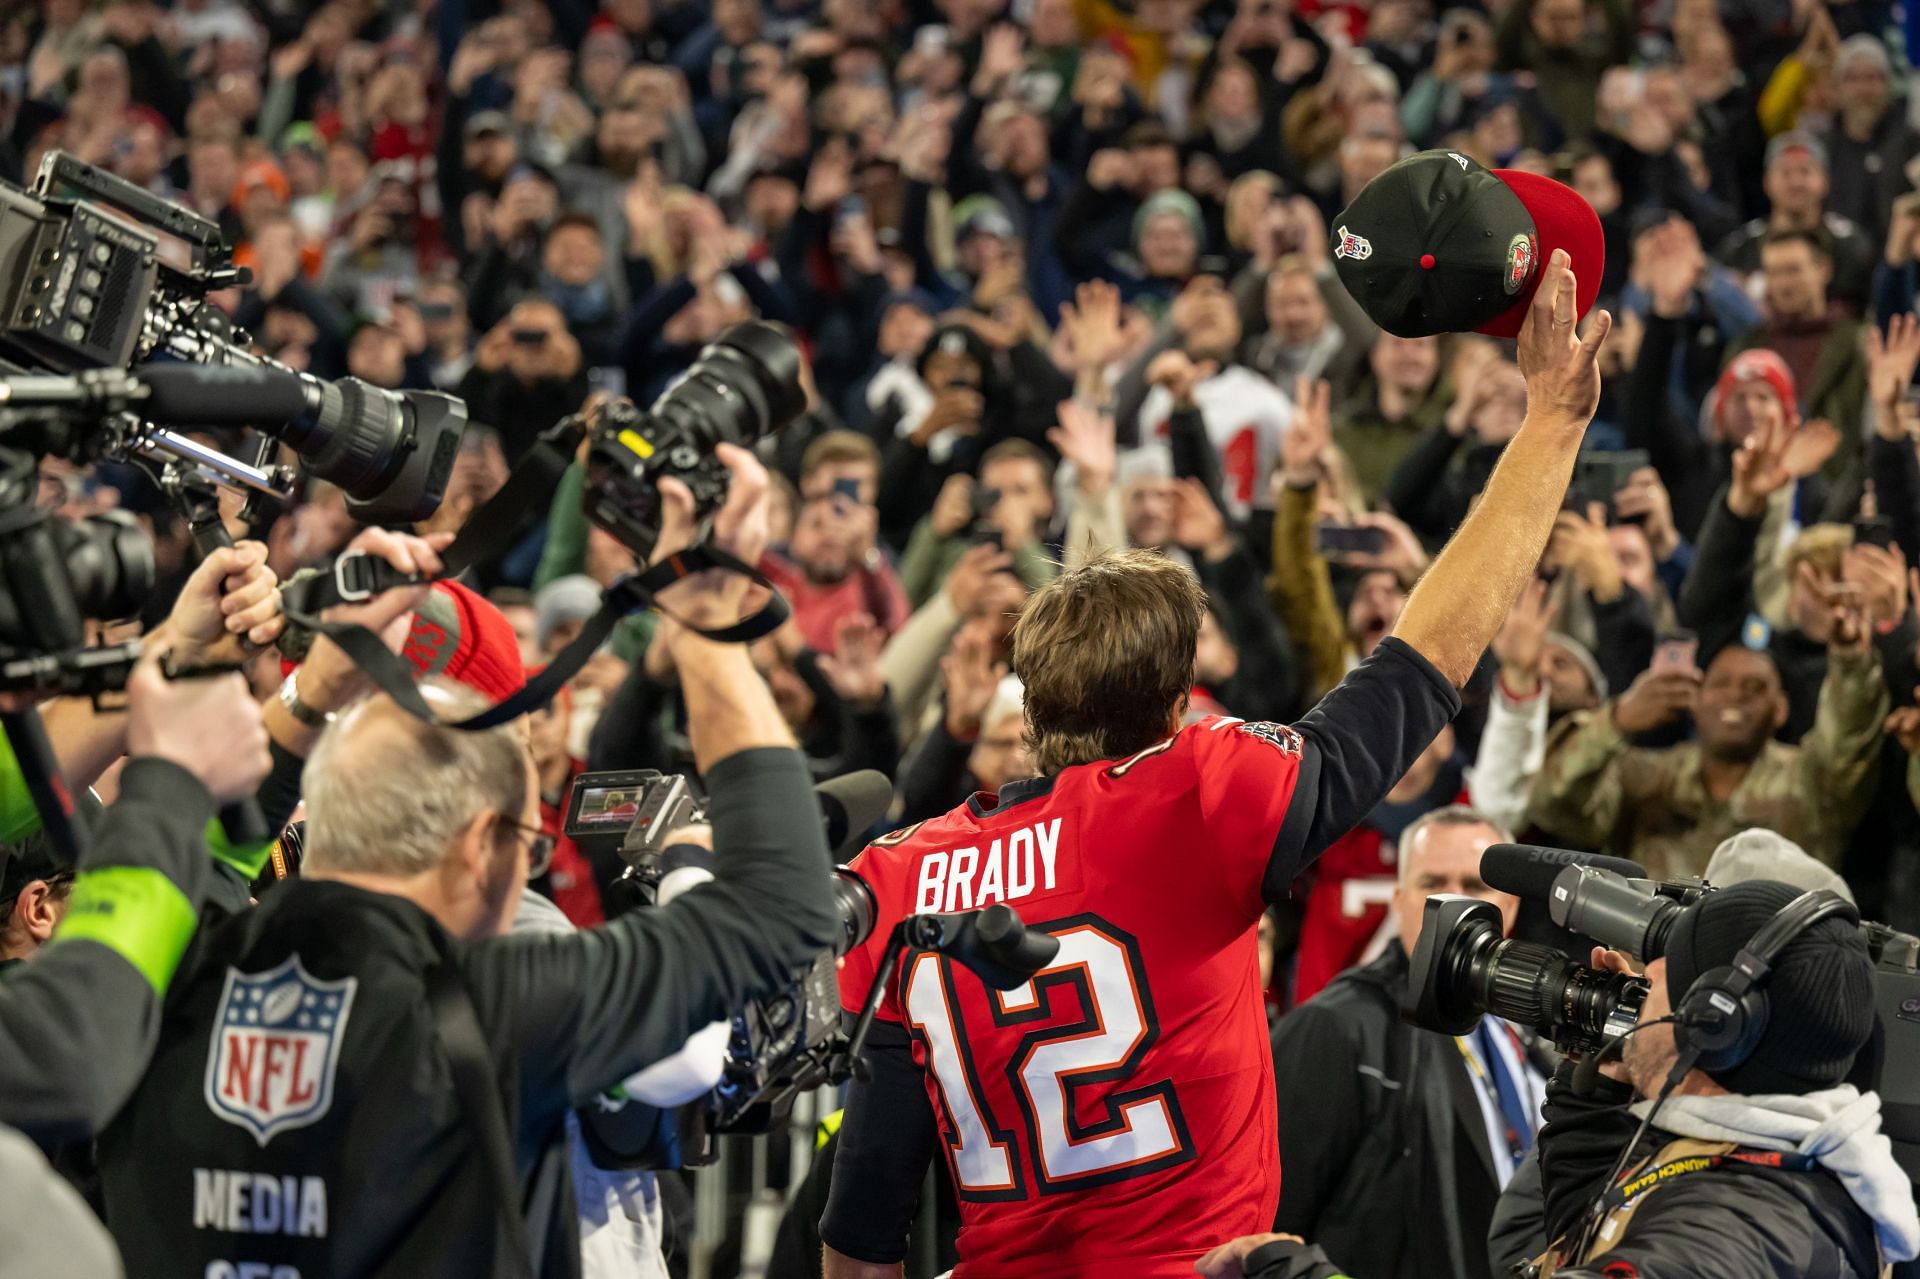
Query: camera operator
[1769, 1166]
[369, 1016]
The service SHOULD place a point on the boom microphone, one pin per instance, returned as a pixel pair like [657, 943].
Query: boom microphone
[390, 451]
[1528, 870]
[850, 803]
[181, 394]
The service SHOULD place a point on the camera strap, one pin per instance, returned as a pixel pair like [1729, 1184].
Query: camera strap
[489, 532]
[359, 577]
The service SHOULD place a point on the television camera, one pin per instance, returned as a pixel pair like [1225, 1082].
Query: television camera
[792, 1041]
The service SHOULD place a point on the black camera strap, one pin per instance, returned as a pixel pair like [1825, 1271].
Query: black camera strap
[489, 532]
[358, 577]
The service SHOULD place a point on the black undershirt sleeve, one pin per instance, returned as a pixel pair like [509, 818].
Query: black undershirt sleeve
[886, 1140]
[1359, 740]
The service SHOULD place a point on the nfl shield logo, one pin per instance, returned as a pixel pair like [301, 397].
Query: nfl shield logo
[276, 1041]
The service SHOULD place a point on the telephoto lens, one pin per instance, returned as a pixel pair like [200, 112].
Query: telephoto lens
[853, 905]
[745, 386]
[1462, 967]
[1608, 908]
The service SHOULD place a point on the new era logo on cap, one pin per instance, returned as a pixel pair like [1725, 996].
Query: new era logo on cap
[1453, 247]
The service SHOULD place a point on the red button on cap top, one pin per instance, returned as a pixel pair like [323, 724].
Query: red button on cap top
[1426, 261]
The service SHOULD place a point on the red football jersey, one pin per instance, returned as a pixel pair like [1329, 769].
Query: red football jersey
[1116, 1114]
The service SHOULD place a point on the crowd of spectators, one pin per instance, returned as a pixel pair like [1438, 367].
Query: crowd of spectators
[1063, 271]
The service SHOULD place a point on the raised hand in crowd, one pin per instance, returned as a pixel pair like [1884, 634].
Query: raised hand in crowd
[1303, 449]
[1879, 576]
[1645, 498]
[1091, 324]
[1522, 638]
[1654, 700]
[853, 668]
[953, 509]
[955, 408]
[971, 673]
[982, 579]
[1774, 456]
[1198, 524]
[1085, 438]
[1890, 363]
[1178, 375]
[1579, 545]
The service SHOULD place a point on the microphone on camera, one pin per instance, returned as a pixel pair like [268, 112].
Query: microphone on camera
[852, 802]
[1528, 870]
[182, 394]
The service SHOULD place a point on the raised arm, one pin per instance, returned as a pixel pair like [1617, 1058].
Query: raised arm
[1455, 610]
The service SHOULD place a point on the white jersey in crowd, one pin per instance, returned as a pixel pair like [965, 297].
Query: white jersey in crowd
[1245, 416]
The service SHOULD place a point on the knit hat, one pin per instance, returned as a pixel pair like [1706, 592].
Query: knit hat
[1759, 365]
[1170, 201]
[1763, 854]
[1583, 658]
[573, 598]
[1819, 993]
[458, 634]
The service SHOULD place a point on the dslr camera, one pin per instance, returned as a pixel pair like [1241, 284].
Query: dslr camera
[1463, 967]
[745, 385]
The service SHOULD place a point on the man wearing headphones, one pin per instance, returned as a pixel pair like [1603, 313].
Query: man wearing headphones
[1726, 1144]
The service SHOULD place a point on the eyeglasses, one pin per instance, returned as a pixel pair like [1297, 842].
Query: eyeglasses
[540, 852]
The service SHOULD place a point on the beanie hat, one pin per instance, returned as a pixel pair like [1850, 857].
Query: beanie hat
[955, 339]
[1819, 993]
[457, 633]
[1170, 201]
[573, 598]
[1763, 854]
[1583, 658]
[1756, 365]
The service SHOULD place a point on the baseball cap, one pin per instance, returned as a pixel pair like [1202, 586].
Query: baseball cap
[1819, 992]
[484, 122]
[981, 214]
[1797, 140]
[1440, 244]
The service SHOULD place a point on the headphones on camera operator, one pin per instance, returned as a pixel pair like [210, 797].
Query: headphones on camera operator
[747, 379]
[1721, 1019]
[1717, 1024]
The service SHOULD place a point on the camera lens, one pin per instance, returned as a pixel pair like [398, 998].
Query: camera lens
[109, 562]
[1537, 986]
[746, 384]
[1604, 906]
[853, 905]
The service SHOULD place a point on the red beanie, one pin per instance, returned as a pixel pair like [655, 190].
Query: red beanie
[1761, 365]
[459, 634]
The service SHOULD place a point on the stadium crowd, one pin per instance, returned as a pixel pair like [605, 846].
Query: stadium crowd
[1065, 274]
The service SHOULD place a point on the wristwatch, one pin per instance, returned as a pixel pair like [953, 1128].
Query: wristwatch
[301, 712]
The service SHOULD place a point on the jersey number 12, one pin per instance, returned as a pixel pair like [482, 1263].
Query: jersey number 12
[1142, 1129]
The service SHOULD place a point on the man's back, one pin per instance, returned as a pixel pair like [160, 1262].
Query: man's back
[1073, 1106]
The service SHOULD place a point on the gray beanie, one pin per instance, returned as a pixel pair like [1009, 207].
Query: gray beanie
[573, 598]
[1763, 854]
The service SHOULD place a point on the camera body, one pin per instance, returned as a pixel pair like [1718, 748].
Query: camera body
[779, 1044]
[1462, 967]
[745, 385]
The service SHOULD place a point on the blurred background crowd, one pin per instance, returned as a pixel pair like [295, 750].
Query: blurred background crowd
[1063, 270]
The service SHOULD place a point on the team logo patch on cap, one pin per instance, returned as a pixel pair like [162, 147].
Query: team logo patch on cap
[1520, 258]
[1458, 159]
[1357, 247]
[276, 1044]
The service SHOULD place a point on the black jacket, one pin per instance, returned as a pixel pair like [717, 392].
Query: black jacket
[1745, 1222]
[1383, 1151]
[300, 1109]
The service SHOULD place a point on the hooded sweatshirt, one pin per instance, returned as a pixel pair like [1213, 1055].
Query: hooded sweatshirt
[1838, 1127]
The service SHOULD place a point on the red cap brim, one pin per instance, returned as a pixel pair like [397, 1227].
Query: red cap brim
[1562, 219]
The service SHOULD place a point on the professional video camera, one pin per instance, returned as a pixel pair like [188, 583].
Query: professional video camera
[98, 275]
[792, 1041]
[105, 342]
[746, 384]
[1462, 967]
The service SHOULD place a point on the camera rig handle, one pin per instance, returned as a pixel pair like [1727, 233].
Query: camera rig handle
[993, 942]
